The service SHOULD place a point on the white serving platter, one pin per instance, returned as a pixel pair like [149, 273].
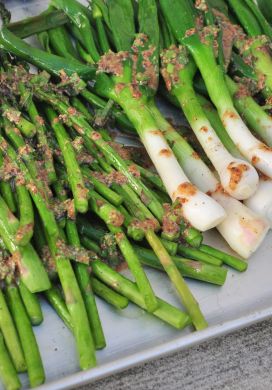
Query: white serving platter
[134, 336]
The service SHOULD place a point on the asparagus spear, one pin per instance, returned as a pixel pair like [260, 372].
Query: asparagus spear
[101, 188]
[112, 217]
[232, 261]
[124, 286]
[55, 299]
[7, 195]
[41, 136]
[85, 284]
[10, 335]
[46, 214]
[188, 268]
[73, 170]
[110, 296]
[31, 269]
[25, 228]
[31, 351]
[32, 304]
[75, 306]
[8, 373]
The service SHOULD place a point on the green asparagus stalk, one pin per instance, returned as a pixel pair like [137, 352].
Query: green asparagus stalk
[134, 229]
[7, 194]
[31, 269]
[41, 136]
[111, 217]
[26, 223]
[232, 261]
[55, 299]
[32, 304]
[82, 274]
[30, 347]
[89, 244]
[46, 214]
[120, 118]
[73, 170]
[124, 286]
[8, 374]
[172, 271]
[101, 290]
[81, 107]
[75, 306]
[27, 153]
[188, 268]
[196, 254]
[10, 335]
[27, 128]
[25, 229]
[101, 188]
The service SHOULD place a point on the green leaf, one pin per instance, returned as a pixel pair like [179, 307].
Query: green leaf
[148, 21]
[121, 17]
[179, 16]
[219, 5]
[79, 17]
[103, 8]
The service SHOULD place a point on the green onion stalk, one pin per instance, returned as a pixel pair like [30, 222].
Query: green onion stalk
[200, 174]
[255, 47]
[260, 201]
[256, 51]
[180, 17]
[266, 9]
[254, 115]
[178, 72]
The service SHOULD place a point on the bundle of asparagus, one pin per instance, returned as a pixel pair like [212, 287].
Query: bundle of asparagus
[75, 206]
